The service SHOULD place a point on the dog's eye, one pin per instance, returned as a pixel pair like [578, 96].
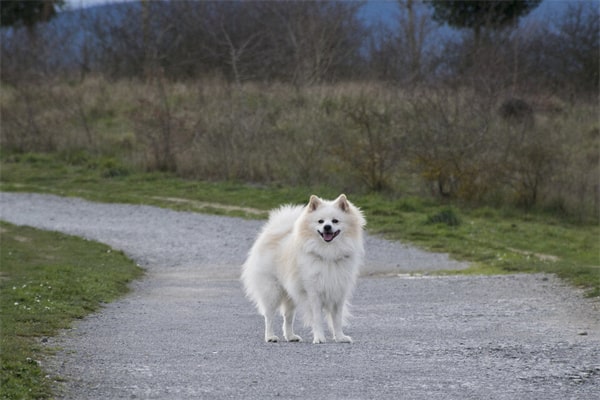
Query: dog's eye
[321, 221]
[335, 221]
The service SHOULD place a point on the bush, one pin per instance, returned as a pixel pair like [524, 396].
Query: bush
[369, 141]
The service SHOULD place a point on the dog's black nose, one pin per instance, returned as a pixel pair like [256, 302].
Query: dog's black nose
[327, 228]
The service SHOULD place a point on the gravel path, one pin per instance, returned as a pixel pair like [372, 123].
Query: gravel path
[187, 332]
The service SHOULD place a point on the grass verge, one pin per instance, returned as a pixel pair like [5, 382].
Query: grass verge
[47, 280]
[494, 240]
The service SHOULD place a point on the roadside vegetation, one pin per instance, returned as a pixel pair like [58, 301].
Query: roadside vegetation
[48, 280]
[455, 145]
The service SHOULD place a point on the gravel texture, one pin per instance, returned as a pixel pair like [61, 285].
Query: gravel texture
[187, 332]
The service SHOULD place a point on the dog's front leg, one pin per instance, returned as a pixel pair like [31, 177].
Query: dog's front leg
[337, 316]
[316, 318]
[269, 334]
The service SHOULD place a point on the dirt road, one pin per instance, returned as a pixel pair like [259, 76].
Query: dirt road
[187, 332]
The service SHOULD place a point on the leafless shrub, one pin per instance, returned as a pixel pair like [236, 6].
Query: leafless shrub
[468, 151]
[529, 168]
[449, 139]
[369, 141]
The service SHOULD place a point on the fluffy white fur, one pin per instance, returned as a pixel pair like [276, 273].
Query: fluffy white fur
[307, 257]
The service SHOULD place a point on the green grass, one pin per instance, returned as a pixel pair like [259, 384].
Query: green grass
[47, 280]
[91, 179]
[494, 240]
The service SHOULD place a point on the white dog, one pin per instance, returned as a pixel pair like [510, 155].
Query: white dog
[306, 256]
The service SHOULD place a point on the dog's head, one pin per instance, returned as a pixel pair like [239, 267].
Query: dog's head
[331, 218]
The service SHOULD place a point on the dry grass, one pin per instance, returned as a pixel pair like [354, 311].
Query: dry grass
[361, 136]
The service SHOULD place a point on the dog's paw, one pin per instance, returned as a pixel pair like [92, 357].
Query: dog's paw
[272, 339]
[319, 340]
[343, 339]
[294, 338]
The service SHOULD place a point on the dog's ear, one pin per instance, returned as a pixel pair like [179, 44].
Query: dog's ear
[314, 203]
[342, 203]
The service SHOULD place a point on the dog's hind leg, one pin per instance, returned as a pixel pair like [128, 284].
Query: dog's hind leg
[269, 303]
[288, 310]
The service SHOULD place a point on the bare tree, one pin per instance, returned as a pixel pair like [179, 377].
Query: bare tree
[313, 41]
[235, 33]
[405, 53]
[415, 27]
[575, 47]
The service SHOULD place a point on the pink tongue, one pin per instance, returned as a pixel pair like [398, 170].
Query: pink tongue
[327, 236]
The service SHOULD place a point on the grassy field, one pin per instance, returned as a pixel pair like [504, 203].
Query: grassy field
[494, 240]
[47, 280]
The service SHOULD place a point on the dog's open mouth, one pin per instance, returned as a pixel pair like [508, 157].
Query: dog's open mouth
[328, 236]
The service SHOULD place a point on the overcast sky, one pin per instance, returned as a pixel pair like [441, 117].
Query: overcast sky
[548, 8]
[87, 3]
